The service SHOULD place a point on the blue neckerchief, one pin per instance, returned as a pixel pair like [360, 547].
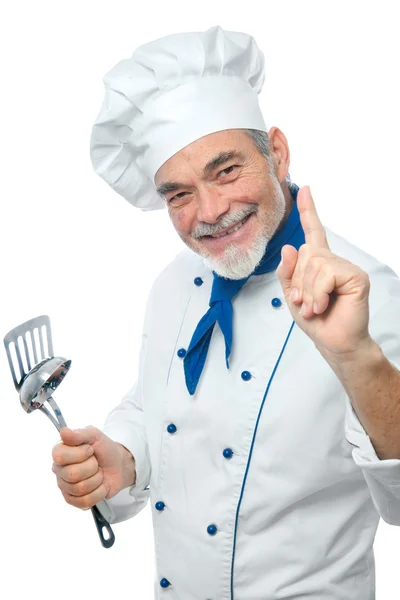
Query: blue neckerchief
[224, 290]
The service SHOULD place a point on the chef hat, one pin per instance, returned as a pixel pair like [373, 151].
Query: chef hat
[171, 92]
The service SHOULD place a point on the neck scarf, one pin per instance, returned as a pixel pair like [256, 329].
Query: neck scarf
[224, 290]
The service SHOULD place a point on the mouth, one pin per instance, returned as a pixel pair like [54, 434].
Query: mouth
[240, 231]
[228, 231]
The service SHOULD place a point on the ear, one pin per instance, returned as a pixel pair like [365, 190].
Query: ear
[280, 153]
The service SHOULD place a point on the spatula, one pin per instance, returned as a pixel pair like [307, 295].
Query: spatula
[37, 373]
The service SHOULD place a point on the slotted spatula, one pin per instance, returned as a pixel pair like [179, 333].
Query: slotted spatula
[37, 373]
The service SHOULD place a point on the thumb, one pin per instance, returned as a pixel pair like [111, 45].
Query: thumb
[286, 267]
[76, 437]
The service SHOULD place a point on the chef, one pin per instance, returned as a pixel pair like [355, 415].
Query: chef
[264, 427]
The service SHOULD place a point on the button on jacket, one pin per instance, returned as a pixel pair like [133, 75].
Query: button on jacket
[269, 485]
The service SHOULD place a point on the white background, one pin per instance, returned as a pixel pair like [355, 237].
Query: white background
[73, 249]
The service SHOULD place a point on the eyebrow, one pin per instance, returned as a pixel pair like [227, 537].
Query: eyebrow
[214, 163]
[221, 159]
[168, 186]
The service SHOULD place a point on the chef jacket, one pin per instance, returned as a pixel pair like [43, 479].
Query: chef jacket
[264, 485]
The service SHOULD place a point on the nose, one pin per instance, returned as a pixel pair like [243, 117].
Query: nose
[212, 205]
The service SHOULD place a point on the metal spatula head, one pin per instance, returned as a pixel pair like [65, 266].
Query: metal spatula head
[28, 345]
[36, 372]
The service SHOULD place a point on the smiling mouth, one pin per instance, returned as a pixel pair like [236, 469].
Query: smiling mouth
[230, 230]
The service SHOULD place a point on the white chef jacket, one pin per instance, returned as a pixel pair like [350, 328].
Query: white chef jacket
[269, 453]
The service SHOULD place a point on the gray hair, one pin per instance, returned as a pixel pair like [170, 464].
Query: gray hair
[260, 138]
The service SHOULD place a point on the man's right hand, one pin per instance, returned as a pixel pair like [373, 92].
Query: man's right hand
[90, 466]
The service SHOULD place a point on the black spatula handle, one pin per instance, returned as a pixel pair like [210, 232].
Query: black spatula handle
[102, 524]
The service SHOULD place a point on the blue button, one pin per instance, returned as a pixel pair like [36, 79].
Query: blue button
[228, 453]
[181, 352]
[160, 505]
[212, 529]
[171, 428]
[246, 375]
[276, 302]
[164, 583]
[198, 281]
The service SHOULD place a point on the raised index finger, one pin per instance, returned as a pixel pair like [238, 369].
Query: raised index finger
[313, 230]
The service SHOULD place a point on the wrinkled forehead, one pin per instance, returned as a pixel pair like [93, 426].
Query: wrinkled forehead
[205, 154]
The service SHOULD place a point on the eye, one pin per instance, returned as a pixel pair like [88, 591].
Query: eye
[228, 170]
[177, 197]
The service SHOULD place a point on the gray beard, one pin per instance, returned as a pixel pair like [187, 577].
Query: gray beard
[238, 264]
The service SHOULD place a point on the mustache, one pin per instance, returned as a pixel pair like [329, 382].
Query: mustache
[226, 221]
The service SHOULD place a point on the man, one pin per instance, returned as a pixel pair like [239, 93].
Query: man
[264, 425]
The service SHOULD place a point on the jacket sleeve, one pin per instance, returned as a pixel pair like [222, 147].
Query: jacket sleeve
[381, 476]
[125, 425]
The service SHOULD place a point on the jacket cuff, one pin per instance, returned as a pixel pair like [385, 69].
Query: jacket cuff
[132, 438]
[386, 471]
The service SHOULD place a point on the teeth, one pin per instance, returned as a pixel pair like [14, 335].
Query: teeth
[238, 226]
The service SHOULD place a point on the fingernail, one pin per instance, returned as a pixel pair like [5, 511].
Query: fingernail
[294, 294]
[303, 309]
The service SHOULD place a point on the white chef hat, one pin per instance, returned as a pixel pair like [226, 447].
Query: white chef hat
[171, 92]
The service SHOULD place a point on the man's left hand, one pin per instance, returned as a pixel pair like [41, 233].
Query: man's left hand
[332, 302]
